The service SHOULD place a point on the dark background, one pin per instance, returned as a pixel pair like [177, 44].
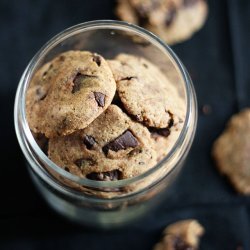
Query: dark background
[217, 58]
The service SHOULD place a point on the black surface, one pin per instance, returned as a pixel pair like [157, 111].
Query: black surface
[217, 58]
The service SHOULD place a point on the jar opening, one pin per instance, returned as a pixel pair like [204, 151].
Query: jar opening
[21, 124]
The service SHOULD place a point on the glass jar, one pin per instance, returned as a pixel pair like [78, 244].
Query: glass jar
[102, 203]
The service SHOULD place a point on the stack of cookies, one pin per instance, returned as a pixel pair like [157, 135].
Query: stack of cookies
[104, 120]
[172, 20]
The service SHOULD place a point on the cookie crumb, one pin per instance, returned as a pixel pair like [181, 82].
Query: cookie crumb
[206, 109]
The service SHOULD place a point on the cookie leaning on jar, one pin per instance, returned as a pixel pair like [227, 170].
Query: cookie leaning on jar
[104, 120]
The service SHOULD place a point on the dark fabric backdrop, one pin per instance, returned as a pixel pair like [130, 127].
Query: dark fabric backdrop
[217, 58]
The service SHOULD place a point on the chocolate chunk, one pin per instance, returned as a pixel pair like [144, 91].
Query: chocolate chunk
[113, 175]
[89, 141]
[143, 21]
[189, 3]
[179, 244]
[79, 80]
[171, 121]
[79, 162]
[97, 59]
[124, 141]
[66, 169]
[170, 16]
[100, 99]
[160, 131]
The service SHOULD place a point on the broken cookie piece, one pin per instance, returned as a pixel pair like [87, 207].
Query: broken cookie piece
[182, 235]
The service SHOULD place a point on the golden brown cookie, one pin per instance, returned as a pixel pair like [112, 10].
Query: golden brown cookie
[173, 20]
[112, 147]
[149, 97]
[231, 151]
[181, 235]
[183, 24]
[68, 93]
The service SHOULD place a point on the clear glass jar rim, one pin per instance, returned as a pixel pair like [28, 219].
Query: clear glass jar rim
[94, 25]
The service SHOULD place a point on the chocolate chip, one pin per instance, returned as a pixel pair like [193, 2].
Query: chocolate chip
[124, 141]
[142, 20]
[171, 121]
[164, 131]
[97, 59]
[89, 141]
[79, 80]
[113, 175]
[79, 162]
[66, 169]
[100, 99]
[189, 3]
[170, 16]
[179, 244]
[82, 161]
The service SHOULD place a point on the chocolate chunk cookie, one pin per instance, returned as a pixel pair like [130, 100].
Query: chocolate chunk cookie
[173, 20]
[149, 97]
[112, 147]
[68, 93]
[182, 235]
[231, 151]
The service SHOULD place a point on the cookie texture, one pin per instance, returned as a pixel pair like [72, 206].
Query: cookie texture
[231, 151]
[148, 96]
[112, 147]
[173, 20]
[182, 235]
[104, 120]
[68, 93]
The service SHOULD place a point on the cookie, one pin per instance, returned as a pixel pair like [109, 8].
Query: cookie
[173, 20]
[68, 93]
[231, 151]
[126, 12]
[155, 12]
[148, 97]
[112, 147]
[181, 235]
[183, 24]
